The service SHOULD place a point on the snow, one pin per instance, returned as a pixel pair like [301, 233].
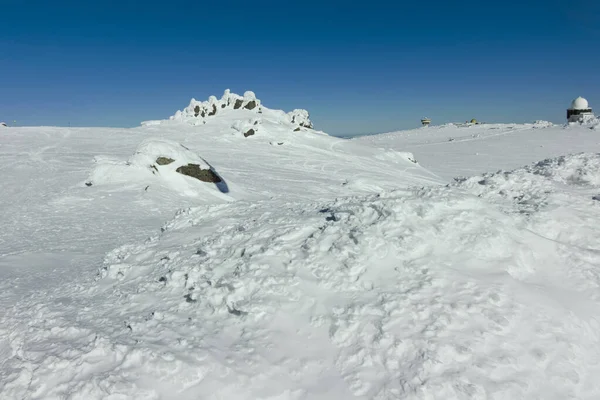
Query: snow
[465, 150]
[395, 266]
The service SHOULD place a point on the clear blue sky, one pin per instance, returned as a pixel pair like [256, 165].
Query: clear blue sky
[358, 67]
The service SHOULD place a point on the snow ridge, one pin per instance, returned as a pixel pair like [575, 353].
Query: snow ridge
[197, 112]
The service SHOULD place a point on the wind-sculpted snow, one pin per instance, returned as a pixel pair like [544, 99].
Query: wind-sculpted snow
[468, 150]
[199, 112]
[530, 187]
[424, 293]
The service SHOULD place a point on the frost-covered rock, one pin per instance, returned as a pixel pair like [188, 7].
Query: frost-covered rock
[203, 109]
[156, 161]
[199, 112]
[300, 117]
[542, 124]
[166, 156]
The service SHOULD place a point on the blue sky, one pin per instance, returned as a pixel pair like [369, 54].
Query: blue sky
[358, 67]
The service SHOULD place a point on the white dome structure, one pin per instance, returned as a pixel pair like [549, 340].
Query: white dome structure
[579, 111]
[579, 104]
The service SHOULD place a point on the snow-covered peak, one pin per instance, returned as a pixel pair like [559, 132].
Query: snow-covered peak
[199, 112]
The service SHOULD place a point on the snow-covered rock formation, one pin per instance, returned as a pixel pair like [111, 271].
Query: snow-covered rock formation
[198, 112]
[159, 162]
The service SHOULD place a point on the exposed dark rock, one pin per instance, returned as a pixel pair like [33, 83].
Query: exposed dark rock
[238, 104]
[249, 132]
[164, 160]
[196, 111]
[297, 129]
[306, 125]
[596, 197]
[235, 311]
[214, 110]
[251, 105]
[189, 299]
[194, 170]
[223, 105]
[88, 184]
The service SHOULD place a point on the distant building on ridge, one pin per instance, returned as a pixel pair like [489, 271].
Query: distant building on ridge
[425, 121]
[579, 110]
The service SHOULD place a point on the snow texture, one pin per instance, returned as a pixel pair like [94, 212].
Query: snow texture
[328, 269]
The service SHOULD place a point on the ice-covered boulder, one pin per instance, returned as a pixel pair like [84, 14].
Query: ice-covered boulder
[167, 156]
[300, 117]
[158, 161]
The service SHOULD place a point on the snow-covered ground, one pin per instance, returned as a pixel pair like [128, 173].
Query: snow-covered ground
[314, 268]
[469, 149]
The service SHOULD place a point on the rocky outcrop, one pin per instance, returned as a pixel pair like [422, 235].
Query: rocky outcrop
[211, 107]
[301, 118]
[197, 112]
[164, 160]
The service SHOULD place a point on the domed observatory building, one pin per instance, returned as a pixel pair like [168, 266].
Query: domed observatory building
[579, 111]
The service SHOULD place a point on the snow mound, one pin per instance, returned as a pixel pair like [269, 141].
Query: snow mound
[198, 112]
[528, 188]
[158, 161]
[542, 124]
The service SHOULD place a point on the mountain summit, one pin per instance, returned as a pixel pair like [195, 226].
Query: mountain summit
[197, 112]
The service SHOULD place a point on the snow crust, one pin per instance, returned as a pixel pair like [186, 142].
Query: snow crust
[327, 269]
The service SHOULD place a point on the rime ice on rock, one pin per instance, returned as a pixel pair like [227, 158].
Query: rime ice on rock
[198, 112]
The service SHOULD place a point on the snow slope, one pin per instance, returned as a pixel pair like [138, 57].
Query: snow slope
[323, 269]
[465, 150]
